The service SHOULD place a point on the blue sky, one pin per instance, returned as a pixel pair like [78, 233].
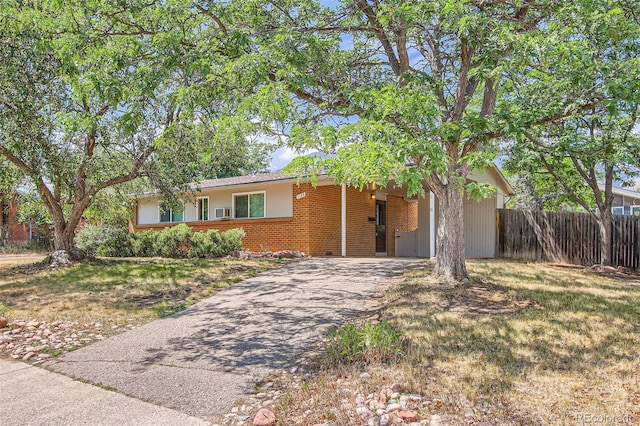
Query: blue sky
[281, 158]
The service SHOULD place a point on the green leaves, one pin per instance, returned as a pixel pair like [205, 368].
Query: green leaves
[479, 190]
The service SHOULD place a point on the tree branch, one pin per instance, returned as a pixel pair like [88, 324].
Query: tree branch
[127, 177]
[380, 34]
[566, 187]
[217, 20]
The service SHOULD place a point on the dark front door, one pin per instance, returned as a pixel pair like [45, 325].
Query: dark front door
[381, 226]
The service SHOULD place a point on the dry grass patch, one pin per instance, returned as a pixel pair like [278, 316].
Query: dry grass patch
[9, 261]
[122, 290]
[522, 344]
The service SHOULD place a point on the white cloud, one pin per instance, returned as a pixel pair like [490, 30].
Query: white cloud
[282, 156]
[286, 154]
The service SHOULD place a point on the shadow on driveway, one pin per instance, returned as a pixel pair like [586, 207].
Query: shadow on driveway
[202, 360]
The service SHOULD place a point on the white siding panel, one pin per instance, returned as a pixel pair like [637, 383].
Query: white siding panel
[480, 227]
[424, 236]
[279, 199]
[147, 211]
[190, 211]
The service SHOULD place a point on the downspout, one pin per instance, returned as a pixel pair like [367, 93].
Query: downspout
[343, 206]
[30, 234]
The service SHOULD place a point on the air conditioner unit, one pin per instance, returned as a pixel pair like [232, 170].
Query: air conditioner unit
[222, 213]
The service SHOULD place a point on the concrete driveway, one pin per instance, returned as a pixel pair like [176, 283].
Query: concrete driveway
[202, 360]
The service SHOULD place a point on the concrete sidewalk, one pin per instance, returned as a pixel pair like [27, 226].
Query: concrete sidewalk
[34, 396]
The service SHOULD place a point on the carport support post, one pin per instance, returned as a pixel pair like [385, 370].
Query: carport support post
[432, 224]
[343, 208]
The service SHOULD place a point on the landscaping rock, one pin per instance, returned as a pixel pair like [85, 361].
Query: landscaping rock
[397, 387]
[264, 417]
[3, 322]
[384, 396]
[28, 356]
[76, 254]
[385, 420]
[34, 337]
[393, 407]
[60, 258]
[408, 415]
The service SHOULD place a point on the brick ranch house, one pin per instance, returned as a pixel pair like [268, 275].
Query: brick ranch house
[277, 213]
[14, 233]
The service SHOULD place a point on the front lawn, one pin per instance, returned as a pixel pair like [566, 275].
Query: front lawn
[117, 290]
[524, 344]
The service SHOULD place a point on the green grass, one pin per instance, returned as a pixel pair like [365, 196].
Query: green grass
[119, 289]
[361, 343]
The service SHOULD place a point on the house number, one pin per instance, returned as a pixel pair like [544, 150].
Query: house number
[301, 195]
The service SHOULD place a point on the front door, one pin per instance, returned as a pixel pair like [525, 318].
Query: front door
[381, 226]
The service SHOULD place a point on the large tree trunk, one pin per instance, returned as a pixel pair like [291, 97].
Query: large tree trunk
[64, 231]
[62, 238]
[605, 224]
[450, 260]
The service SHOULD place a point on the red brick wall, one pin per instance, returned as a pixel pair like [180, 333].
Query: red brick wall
[325, 217]
[361, 233]
[18, 233]
[315, 226]
[401, 215]
[272, 234]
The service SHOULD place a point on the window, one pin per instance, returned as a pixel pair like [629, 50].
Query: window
[171, 214]
[203, 208]
[617, 210]
[635, 210]
[249, 205]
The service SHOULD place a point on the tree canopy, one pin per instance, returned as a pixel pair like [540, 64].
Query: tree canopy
[419, 93]
[95, 94]
[422, 92]
[585, 153]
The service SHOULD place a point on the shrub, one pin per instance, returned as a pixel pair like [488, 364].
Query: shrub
[231, 240]
[176, 241]
[90, 237]
[215, 244]
[216, 248]
[144, 243]
[173, 241]
[119, 244]
[200, 245]
[104, 240]
[364, 343]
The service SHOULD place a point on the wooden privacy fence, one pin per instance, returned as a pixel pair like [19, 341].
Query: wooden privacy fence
[565, 237]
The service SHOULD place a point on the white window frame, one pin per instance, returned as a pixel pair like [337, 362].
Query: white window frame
[233, 204]
[613, 210]
[198, 209]
[635, 209]
[160, 203]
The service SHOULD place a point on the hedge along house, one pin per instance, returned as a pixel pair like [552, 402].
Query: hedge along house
[329, 219]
